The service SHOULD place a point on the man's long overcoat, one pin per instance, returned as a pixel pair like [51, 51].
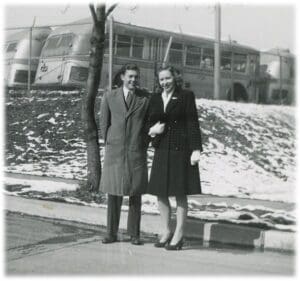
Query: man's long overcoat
[125, 136]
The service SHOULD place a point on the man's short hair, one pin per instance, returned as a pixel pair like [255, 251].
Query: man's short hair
[129, 66]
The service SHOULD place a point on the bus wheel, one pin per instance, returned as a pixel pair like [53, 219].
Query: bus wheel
[239, 93]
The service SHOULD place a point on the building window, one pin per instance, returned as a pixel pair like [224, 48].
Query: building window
[175, 54]
[239, 62]
[193, 56]
[207, 61]
[123, 45]
[225, 60]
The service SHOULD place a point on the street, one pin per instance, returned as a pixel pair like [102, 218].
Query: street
[36, 245]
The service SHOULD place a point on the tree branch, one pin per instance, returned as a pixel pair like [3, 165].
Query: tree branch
[111, 8]
[93, 12]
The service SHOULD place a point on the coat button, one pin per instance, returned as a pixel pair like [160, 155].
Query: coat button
[176, 148]
[175, 121]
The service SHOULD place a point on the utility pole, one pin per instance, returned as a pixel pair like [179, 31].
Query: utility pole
[217, 51]
[231, 71]
[110, 62]
[29, 58]
[167, 51]
[280, 76]
[29, 62]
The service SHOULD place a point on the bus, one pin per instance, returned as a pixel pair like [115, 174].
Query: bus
[16, 49]
[277, 77]
[64, 59]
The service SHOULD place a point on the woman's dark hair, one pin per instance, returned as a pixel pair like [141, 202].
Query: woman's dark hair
[175, 73]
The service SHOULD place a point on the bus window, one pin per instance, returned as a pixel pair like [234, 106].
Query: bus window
[147, 49]
[253, 64]
[123, 45]
[207, 59]
[65, 44]
[239, 62]
[193, 55]
[175, 55]
[51, 46]
[66, 41]
[22, 76]
[288, 67]
[225, 60]
[52, 43]
[292, 69]
[58, 45]
[137, 47]
[12, 47]
[153, 49]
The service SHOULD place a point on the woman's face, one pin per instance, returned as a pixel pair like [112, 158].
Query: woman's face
[166, 80]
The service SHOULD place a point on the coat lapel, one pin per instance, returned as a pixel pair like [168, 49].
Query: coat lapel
[173, 101]
[137, 101]
[119, 100]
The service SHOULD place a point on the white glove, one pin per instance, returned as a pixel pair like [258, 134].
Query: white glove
[195, 157]
[156, 129]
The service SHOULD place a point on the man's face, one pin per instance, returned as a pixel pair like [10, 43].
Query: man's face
[130, 79]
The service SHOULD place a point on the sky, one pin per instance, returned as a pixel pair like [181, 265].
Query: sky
[271, 24]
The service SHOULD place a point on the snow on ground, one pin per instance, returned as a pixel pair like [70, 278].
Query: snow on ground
[249, 149]
[249, 215]
[45, 186]
[233, 174]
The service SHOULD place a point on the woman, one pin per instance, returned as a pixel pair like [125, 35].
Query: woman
[176, 137]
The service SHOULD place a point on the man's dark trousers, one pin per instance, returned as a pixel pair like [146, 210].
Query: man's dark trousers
[114, 204]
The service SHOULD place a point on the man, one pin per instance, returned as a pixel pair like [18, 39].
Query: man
[125, 172]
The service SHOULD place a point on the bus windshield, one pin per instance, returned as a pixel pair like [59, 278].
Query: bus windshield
[58, 45]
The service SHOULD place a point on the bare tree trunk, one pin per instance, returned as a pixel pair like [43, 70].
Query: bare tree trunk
[88, 106]
[88, 114]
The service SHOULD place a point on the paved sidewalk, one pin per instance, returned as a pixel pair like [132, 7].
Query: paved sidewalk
[208, 232]
[36, 246]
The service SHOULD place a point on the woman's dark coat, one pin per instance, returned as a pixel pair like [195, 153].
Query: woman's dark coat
[171, 173]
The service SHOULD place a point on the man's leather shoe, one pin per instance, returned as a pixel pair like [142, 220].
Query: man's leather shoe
[109, 239]
[136, 241]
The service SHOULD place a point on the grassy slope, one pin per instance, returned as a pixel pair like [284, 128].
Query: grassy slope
[44, 136]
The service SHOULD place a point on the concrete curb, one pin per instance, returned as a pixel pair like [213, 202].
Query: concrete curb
[209, 233]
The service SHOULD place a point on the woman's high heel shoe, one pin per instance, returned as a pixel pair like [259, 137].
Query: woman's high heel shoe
[177, 246]
[159, 244]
